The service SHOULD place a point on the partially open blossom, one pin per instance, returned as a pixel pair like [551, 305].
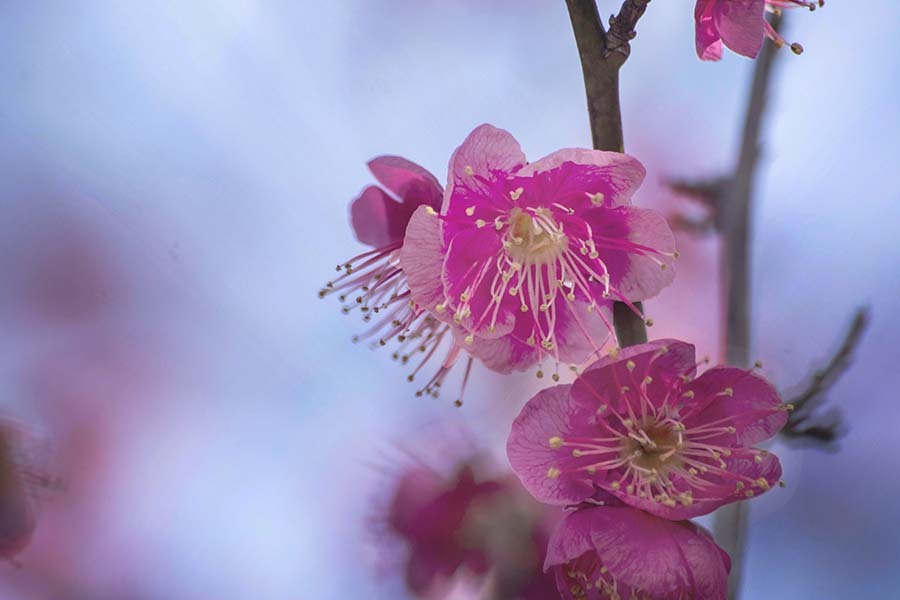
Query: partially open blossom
[641, 427]
[20, 484]
[619, 553]
[740, 25]
[526, 259]
[469, 528]
[373, 281]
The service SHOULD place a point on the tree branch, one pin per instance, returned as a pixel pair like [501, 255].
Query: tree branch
[602, 55]
[804, 423]
[730, 523]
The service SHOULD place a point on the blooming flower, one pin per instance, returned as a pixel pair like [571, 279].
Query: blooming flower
[373, 281]
[525, 260]
[741, 25]
[619, 553]
[459, 528]
[641, 427]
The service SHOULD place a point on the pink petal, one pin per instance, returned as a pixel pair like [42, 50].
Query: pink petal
[422, 258]
[548, 414]
[504, 354]
[645, 556]
[581, 333]
[486, 152]
[752, 406]
[617, 176]
[410, 182]
[377, 219]
[637, 273]
[741, 25]
[709, 43]
[599, 383]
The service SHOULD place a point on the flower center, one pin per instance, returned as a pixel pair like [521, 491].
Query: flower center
[534, 238]
[653, 447]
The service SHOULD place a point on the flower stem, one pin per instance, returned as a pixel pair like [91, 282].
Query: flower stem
[602, 53]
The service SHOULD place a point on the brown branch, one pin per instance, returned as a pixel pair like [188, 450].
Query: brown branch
[730, 523]
[804, 423]
[602, 55]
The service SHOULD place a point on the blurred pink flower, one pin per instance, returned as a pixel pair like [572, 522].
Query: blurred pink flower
[525, 260]
[20, 487]
[741, 25]
[617, 552]
[469, 532]
[641, 427]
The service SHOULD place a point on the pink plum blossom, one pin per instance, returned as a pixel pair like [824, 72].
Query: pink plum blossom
[740, 25]
[373, 281]
[640, 426]
[525, 260]
[619, 553]
[460, 527]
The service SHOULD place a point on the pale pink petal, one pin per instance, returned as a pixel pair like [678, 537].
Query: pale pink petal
[486, 153]
[422, 258]
[615, 175]
[377, 218]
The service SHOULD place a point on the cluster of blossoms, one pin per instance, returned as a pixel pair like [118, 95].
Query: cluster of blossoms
[741, 25]
[517, 263]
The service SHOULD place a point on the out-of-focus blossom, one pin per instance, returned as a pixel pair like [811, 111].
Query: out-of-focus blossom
[466, 532]
[740, 25]
[641, 427]
[373, 281]
[20, 486]
[526, 260]
[619, 553]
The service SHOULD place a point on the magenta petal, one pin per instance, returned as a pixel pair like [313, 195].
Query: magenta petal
[377, 218]
[486, 152]
[418, 487]
[407, 180]
[709, 43]
[505, 354]
[617, 176]
[582, 333]
[741, 25]
[663, 360]
[547, 415]
[638, 248]
[422, 258]
[641, 556]
[738, 398]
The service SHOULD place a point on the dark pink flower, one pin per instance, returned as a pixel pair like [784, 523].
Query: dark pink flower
[373, 281]
[741, 25]
[619, 553]
[20, 484]
[526, 259]
[641, 427]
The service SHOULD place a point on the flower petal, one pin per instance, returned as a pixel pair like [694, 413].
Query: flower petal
[741, 23]
[637, 247]
[422, 259]
[377, 219]
[739, 398]
[709, 43]
[410, 182]
[615, 175]
[547, 415]
[487, 152]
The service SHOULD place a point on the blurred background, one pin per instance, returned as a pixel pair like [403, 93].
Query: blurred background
[174, 183]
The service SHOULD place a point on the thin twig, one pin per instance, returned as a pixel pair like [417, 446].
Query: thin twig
[804, 423]
[730, 523]
[602, 55]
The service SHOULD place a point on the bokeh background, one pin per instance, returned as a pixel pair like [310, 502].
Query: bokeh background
[174, 182]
